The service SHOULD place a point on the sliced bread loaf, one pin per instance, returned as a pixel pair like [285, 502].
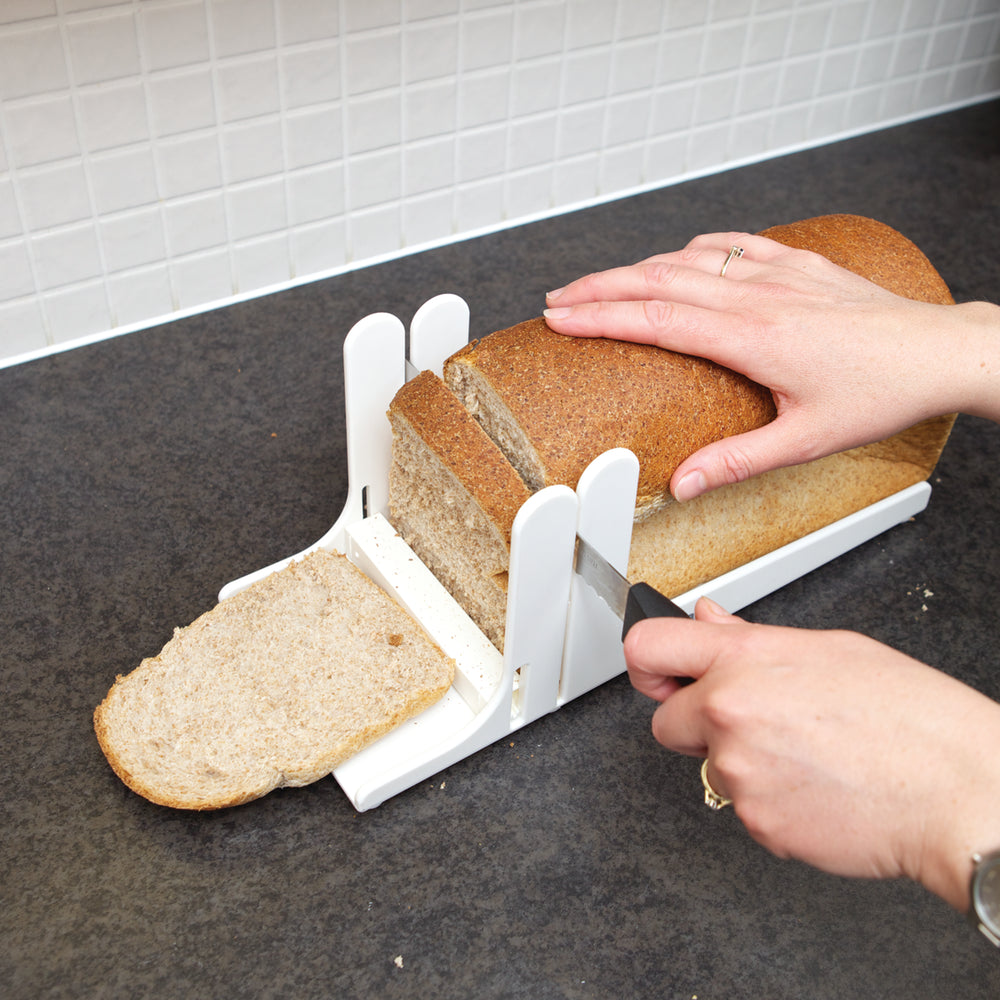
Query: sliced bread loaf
[551, 404]
[275, 686]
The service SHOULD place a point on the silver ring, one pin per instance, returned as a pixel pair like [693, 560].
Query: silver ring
[712, 798]
[734, 251]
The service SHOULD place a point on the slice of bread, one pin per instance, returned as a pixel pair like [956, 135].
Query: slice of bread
[455, 497]
[275, 686]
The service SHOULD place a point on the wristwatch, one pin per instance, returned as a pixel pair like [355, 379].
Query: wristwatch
[985, 890]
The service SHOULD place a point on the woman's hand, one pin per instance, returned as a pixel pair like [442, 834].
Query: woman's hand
[834, 748]
[847, 362]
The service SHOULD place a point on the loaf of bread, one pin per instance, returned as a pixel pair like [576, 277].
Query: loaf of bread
[551, 404]
[275, 686]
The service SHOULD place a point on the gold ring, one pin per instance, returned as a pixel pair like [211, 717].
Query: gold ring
[734, 251]
[712, 798]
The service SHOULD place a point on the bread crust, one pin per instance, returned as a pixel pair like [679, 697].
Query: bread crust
[574, 399]
[869, 248]
[436, 415]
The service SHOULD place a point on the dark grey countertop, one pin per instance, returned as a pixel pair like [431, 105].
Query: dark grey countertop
[575, 859]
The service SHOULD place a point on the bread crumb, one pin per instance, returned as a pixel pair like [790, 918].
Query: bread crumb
[398, 961]
[395, 639]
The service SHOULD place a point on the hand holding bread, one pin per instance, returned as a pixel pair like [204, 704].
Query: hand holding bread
[848, 360]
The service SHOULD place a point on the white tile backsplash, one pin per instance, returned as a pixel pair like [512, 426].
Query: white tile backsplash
[113, 115]
[196, 223]
[252, 149]
[241, 26]
[41, 210]
[262, 262]
[375, 231]
[372, 61]
[121, 179]
[202, 278]
[174, 35]
[161, 155]
[188, 164]
[32, 60]
[181, 101]
[307, 20]
[132, 294]
[24, 327]
[538, 29]
[130, 239]
[103, 48]
[257, 209]
[10, 214]
[80, 310]
[248, 88]
[67, 255]
[310, 75]
[41, 130]
[16, 278]
[13, 11]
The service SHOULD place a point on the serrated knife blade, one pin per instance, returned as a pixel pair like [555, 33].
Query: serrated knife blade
[631, 602]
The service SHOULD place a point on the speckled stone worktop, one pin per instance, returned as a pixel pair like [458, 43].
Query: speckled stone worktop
[574, 860]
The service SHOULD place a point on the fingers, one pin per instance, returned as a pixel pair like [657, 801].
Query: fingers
[688, 278]
[674, 325]
[675, 274]
[658, 651]
[677, 301]
[735, 459]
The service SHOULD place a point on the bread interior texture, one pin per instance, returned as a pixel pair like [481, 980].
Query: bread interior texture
[527, 408]
[275, 686]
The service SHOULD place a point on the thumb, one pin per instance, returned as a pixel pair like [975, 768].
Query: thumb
[734, 459]
[706, 610]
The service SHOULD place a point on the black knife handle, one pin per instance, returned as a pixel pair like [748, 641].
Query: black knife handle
[645, 601]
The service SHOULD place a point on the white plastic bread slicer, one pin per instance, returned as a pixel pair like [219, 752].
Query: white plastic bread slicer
[561, 640]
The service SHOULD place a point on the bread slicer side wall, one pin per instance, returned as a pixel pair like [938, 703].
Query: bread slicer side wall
[560, 639]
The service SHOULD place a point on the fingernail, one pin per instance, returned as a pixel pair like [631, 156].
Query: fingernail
[554, 294]
[556, 313]
[691, 485]
[716, 609]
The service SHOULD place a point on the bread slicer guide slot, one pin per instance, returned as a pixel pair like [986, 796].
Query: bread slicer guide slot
[560, 639]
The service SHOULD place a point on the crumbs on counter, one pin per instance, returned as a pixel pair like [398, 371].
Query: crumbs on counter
[921, 591]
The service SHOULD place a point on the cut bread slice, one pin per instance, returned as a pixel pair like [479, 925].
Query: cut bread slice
[275, 686]
[454, 497]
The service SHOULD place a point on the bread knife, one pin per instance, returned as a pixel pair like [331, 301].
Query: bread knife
[631, 602]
